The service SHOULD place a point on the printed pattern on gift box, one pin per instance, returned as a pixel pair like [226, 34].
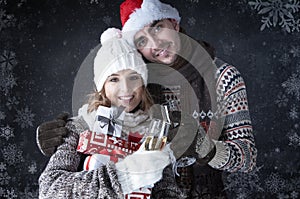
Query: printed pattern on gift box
[142, 193]
[113, 149]
[93, 143]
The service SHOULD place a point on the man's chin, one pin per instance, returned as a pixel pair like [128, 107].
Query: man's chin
[168, 60]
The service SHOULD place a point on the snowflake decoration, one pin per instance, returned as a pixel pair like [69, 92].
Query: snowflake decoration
[8, 60]
[3, 2]
[12, 102]
[191, 21]
[293, 113]
[2, 115]
[243, 184]
[94, 1]
[2, 167]
[30, 194]
[277, 12]
[274, 183]
[295, 51]
[32, 168]
[292, 85]
[4, 178]
[7, 82]
[6, 20]
[11, 194]
[281, 100]
[2, 191]
[106, 20]
[294, 140]
[6, 132]
[294, 195]
[193, 1]
[24, 118]
[285, 59]
[295, 25]
[12, 154]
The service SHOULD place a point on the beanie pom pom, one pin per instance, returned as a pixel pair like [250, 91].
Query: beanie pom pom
[110, 33]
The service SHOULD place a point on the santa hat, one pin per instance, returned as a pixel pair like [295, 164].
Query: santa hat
[135, 14]
[116, 55]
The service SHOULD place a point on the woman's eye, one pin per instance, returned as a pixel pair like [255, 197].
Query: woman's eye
[135, 77]
[113, 79]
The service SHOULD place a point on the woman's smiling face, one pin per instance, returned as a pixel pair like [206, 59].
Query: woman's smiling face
[125, 89]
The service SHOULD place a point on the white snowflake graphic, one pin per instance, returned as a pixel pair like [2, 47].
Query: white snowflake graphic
[4, 178]
[94, 1]
[193, 1]
[294, 139]
[24, 118]
[274, 183]
[2, 167]
[6, 132]
[277, 12]
[191, 21]
[10, 194]
[30, 194]
[12, 154]
[8, 60]
[2, 191]
[107, 20]
[6, 20]
[32, 168]
[12, 102]
[2, 115]
[294, 195]
[281, 100]
[295, 51]
[295, 25]
[294, 113]
[7, 82]
[285, 59]
[3, 2]
[292, 85]
[243, 184]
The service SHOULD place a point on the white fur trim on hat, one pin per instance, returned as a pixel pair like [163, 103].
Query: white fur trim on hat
[150, 11]
[116, 55]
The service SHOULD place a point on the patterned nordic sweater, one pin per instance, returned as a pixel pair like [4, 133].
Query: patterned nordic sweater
[236, 149]
[63, 177]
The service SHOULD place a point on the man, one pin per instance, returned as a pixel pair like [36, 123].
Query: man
[154, 28]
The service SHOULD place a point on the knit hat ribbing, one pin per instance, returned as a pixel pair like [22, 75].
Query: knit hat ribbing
[116, 55]
[135, 14]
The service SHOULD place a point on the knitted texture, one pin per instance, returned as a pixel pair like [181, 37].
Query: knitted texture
[236, 147]
[63, 178]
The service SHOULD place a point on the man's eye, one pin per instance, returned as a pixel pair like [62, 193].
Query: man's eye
[141, 43]
[157, 28]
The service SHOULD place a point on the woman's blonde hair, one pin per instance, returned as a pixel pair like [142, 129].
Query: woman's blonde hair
[97, 99]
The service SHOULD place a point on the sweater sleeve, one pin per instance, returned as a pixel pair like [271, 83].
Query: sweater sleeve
[167, 186]
[235, 149]
[63, 179]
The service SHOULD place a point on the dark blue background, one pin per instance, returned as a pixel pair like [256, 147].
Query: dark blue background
[43, 44]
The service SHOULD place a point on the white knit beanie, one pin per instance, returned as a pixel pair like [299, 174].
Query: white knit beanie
[135, 14]
[116, 55]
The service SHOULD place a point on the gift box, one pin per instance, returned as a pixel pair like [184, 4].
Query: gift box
[142, 193]
[93, 143]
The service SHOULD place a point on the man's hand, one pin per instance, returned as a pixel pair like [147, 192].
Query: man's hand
[50, 134]
[205, 147]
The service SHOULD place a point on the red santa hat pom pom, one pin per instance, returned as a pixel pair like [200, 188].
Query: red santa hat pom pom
[110, 33]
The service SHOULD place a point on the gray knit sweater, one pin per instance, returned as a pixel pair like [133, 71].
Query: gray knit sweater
[63, 178]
